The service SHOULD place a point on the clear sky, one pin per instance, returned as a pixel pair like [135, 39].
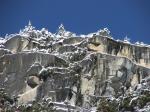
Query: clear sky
[121, 17]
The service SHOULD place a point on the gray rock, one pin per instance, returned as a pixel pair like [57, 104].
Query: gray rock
[79, 70]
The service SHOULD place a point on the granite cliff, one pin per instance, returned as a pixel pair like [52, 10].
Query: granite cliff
[74, 72]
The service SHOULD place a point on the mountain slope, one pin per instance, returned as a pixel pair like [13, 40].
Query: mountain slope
[77, 70]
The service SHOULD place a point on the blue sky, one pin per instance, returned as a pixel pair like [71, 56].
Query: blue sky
[121, 17]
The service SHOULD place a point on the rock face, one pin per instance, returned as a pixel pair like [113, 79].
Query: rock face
[78, 69]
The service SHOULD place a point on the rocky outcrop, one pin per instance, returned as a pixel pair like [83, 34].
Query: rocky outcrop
[138, 54]
[79, 70]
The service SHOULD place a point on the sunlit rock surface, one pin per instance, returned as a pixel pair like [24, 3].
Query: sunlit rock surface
[65, 67]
